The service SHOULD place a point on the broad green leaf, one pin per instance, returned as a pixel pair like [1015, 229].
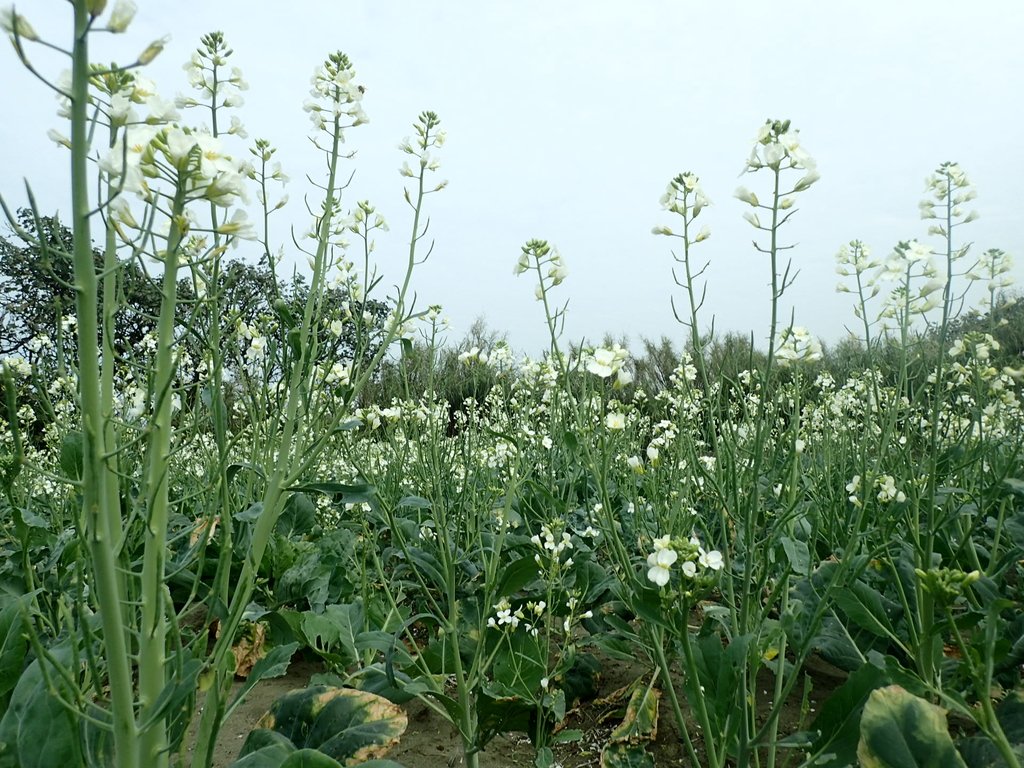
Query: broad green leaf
[347, 493]
[517, 575]
[37, 731]
[71, 455]
[837, 727]
[310, 758]
[900, 730]
[415, 502]
[626, 756]
[298, 517]
[640, 722]
[864, 606]
[274, 664]
[264, 748]
[502, 714]
[798, 555]
[344, 724]
[333, 633]
[13, 644]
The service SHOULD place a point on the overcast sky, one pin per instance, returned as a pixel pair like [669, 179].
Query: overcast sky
[567, 119]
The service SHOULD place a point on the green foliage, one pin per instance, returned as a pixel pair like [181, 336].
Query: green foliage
[900, 730]
[306, 726]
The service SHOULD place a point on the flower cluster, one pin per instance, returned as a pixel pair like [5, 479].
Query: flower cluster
[684, 196]
[949, 188]
[15, 365]
[887, 490]
[505, 616]
[976, 345]
[217, 88]
[428, 137]
[335, 95]
[777, 146]
[667, 552]
[553, 543]
[994, 267]
[192, 159]
[546, 261]
[797, 345]
[606, 362]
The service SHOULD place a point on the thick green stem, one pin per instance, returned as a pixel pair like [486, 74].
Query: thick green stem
[153, 642]
[101, 520]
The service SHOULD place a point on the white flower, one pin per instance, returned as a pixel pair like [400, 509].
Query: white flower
[601, 363]
[797, 345]
[121, 16]
[340, 373]
[16, 365]
[744, 194]
[615, 420]
[659, 562]
[712, 560]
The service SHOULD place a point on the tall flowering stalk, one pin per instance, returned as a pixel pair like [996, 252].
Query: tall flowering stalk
[777, 148]
[685, 198]
[948, 191]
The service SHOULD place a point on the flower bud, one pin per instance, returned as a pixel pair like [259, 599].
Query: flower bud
[804, 183]
[744, 194]
[16, 24]
[153, 50]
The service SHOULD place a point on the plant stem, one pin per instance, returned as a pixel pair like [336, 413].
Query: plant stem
[153, 642]
[101, 519]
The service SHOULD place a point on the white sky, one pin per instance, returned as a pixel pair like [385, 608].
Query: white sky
[566, 120]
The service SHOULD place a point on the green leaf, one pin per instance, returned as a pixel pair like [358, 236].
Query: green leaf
[13, 644]
[1015, 485]
[899, 730]
[640, 722]
[545, 758]
[344, 492]
[798, 555]
[626, 756]
[332, 634]
[517, 575]
[864, 606]
[1010, 714]
[37, 731]
[274, 664]
[344, 724]
[251, 514]
[502, 714]
[71, 455]
[414, 502]
[310, 758]
[264, 748]
[981, 752]
[837, 726]
[298, 517]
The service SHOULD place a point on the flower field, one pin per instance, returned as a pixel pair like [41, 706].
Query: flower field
[212, 469]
